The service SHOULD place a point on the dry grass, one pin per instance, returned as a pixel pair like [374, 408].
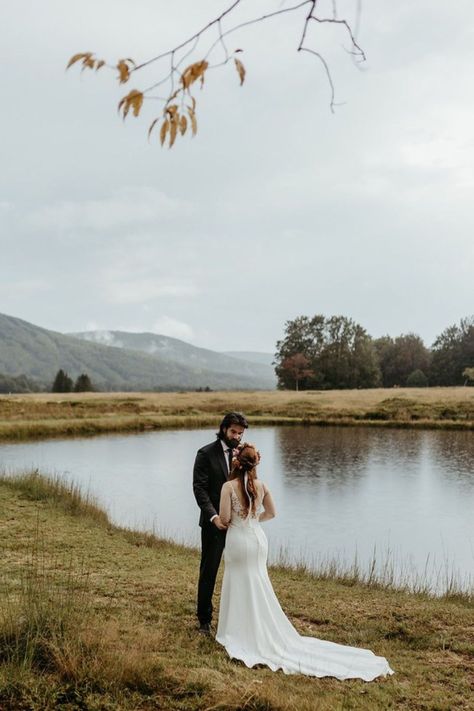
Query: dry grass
[48, 415]
[96, 617]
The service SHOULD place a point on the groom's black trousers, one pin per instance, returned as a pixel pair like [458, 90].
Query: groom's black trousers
[212, 546]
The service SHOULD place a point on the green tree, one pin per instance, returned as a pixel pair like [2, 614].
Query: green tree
[339, 352]
[18, 384]
[83, 384]
[417, 379]
[302, 335]
[348, 359]
[452, 353]
[400, 357]
[62, 382]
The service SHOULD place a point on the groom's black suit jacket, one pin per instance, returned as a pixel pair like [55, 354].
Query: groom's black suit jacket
[210, 473]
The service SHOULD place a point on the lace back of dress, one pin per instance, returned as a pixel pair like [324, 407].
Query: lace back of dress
[243, 512]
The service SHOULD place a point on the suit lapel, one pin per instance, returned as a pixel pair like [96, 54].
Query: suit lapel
[220, 457]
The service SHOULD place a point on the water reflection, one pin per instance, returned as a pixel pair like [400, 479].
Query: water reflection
[340, 492]
[317, 452]
[453, 454]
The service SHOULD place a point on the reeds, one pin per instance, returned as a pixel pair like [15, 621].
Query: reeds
[41, 611]
[49, 626]
[55, 490]
[383, 571]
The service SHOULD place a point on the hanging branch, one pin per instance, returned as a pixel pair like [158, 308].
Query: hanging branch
[179, 104]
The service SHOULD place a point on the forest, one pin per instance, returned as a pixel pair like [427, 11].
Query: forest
[335, 352]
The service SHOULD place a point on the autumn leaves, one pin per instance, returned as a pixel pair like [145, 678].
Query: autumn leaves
[179, 111]
[174, 122]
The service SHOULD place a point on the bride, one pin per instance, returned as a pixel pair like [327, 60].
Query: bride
[252, 626]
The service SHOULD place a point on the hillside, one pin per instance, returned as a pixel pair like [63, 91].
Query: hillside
[177, 351]
[26, 349]
[253, 356]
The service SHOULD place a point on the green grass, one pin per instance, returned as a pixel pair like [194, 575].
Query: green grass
[47, 415]
[93, 616]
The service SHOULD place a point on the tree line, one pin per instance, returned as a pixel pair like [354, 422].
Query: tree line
[64, 384]
[335, 352]
[17, 384]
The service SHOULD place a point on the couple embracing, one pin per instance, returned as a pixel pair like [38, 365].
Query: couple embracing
[252, 625]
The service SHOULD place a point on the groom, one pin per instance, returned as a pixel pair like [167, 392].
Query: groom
[211, 470]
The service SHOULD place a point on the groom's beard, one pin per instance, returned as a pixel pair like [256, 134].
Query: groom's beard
[232, 442]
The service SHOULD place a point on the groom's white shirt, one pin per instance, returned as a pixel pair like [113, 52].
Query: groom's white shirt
[226, 455]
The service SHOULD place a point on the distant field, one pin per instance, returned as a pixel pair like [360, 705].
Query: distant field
[48, 415]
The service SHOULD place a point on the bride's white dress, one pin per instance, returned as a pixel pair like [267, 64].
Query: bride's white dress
[253, 627]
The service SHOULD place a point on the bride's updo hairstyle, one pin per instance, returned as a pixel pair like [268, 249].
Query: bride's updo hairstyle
[245, 463]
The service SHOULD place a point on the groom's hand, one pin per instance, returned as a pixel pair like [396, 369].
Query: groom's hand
[218, 523]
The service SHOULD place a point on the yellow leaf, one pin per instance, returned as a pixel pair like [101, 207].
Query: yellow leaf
[88, 62]
[133, 100]
[124, 71]
[240, 69]
[137, 102]
[100, 64]
[183, 124]
[77, 57]
[152, 126]
[192, 116]
[173, 129]
[193, 72]
[163, 131]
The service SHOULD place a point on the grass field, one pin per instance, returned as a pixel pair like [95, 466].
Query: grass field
[48, 415]
[95, 617]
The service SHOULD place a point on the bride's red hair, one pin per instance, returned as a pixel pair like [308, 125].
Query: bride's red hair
[245, 462]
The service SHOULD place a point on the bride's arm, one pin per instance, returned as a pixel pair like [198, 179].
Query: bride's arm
[225, 504]
[268, 504]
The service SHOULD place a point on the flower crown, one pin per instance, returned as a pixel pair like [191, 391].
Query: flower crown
[242, 460]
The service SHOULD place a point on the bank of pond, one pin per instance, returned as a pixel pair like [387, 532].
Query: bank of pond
[23, 417]
[97, 616]
[394, 506]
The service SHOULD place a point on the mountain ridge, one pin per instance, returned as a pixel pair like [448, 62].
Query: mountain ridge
[38, 353]
[178, 351]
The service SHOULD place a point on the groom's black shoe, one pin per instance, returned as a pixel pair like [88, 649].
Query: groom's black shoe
[205, 628]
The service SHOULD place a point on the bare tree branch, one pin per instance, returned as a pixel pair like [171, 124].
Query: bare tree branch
[177, 118]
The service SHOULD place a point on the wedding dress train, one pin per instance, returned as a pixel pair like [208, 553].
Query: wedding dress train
[253, 627]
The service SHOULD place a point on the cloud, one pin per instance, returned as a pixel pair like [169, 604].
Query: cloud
[105, 338]
[130, 207]
[168, 326]
[364, 212]
[25, 287]
[138, 290]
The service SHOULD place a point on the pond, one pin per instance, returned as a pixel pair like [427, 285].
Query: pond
[401, 500]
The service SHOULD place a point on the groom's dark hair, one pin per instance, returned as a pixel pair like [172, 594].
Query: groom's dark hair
[231, 418]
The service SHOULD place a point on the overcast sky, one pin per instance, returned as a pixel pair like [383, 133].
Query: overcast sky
[276, 208]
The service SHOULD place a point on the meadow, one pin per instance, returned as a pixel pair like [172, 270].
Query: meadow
[97, 617]
[49, 415]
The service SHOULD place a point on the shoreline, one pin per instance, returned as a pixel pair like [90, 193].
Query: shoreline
[24, 417]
